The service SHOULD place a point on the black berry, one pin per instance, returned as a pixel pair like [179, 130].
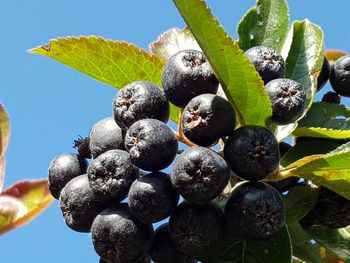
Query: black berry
[152, 197]
[78, 204]
[267, 62]
[254, 211]
[288, 100]
[64, 168]
[324, 74]
[331, 97]
[197, 230]
[331, 210]
[186, 75]
[140, 100]
[252, 152]
[206, 118]
[152, 144]
[340, 76]
[105, 135]
[119, 237]
[111, 175]
[164, 250]
[200, 174]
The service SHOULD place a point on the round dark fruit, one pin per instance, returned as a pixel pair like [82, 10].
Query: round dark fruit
[200, 174]
[151, 144]
[254, 211]
[119, 237]
[331, 210]
[206, 118]
[164, 250]
[78, 204]
[140, 100]
[252, 152]
[197, 230]
[105, 135]
[340, 76]
[152, 197]
[288, 100]
[111, 175]
[331, 97]
[267, 61]
[186, 75]
[64, 168]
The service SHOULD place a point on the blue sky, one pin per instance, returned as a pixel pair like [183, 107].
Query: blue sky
[51, 104]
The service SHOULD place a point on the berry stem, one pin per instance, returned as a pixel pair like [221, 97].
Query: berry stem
[179, 134]
[282, 174]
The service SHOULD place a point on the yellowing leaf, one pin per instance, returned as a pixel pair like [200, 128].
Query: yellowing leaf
[333, 54]
[4, 130]
[23, 201]
[2, 171]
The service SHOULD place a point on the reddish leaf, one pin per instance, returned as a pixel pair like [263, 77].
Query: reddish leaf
[34, 196]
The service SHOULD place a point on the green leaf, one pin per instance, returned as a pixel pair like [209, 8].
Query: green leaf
[113, 62]
[336, 240]
[325, 120]
[303, 246]
[298, 202]
[22, 202]
[306, 148]
[331, 170]
[240, 81]
[277, 249]
[173, 41]
[305, 48]
[266, 24]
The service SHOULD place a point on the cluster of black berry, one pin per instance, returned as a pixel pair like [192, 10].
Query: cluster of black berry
[137, 139]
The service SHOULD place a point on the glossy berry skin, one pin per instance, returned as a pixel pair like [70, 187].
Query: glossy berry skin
[267, 61]
[252, 152]
[200, 174]
[206, 118]
[288, 100]
[340, 76]
[186, 75]
[197, 230]
[78, 204]
[119, 237]
[62, 169]
[254, 211]
[140, 100]
[151, 144]
[152, 197]
[331, 210]
[111, 175]
[324, 74]
[164, 250]
[105, 135]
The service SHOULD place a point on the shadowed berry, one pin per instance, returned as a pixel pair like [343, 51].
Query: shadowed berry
[78, 204]
[111, 175]
[151, 144]
[64, 168]
[186, 75]
[140, 100]
[340, 76]
[152, 197]
[119, 236]
[252, 152]
[267, 62]
[331, 97]
[254, 211]
[105, 135]
[200, 174]
[206, 118]
[324, 74]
